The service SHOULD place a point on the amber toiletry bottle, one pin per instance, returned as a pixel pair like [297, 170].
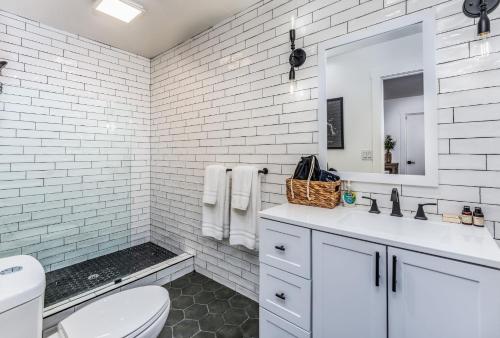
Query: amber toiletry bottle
[478, 217]
[467, 216]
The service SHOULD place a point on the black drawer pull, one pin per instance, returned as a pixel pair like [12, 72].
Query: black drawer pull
[377, 269]
[394, 273]
[280, 247]
[281, 296]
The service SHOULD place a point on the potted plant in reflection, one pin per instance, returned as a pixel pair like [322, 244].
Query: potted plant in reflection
[389, 145]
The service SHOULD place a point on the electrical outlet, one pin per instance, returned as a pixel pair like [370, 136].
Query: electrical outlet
[366, 155]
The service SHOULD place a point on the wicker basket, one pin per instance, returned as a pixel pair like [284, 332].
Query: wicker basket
[321, 194]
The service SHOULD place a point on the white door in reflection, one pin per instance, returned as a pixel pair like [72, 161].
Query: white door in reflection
[415, 155]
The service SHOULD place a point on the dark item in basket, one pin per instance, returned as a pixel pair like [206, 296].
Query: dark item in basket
[303, 170]
[326, 176]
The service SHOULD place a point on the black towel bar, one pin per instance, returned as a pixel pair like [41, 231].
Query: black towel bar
[264, 171]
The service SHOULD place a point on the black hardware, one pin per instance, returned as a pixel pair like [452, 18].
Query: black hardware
[394, 272]
[374, 207]
[2, 65]
[410, 162]
[297, 57]
[119, 280]
[396, 208]
[264, 171]
[480, 9]
[281, 296]
[280, 247]
[377, 269]
[420, 211]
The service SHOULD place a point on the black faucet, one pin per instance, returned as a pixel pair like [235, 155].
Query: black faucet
[396, 208]
[374, 208]
[420, 212]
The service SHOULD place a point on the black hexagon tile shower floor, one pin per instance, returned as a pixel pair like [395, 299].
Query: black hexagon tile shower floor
[203, 308]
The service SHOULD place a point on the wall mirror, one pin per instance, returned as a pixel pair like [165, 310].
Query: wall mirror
[378, 119]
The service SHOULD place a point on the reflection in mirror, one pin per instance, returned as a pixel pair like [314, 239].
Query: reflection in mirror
[375, 104]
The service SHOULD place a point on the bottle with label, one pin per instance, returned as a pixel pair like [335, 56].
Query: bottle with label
[467, 216]
[349, 196]
[478, 217]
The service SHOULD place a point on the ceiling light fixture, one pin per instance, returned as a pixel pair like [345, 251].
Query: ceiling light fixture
[123, 10]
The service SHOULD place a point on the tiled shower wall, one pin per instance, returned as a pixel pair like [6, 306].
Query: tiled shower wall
[74, 145]
[223, 97]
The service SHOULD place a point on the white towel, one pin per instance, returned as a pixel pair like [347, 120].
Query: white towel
[214, 216]
[244, 230]
[242, 187]
[211, 183]
[227, 207]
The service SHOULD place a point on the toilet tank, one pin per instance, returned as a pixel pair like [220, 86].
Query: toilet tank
[22, 285]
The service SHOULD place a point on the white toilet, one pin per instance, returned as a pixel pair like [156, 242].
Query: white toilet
[135, 313]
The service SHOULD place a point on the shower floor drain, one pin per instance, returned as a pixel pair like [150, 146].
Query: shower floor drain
[93, 277]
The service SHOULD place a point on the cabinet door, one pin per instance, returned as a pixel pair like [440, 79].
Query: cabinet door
[434, 297]
[349, 288]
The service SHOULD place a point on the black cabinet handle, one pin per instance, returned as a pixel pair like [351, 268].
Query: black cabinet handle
[394, 272]
[280, 247]
[281, 296]
[377, 269]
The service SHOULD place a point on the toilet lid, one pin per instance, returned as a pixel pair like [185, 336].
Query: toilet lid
[118, 315]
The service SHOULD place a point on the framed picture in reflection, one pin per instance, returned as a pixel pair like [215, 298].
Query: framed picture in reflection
[335, 123]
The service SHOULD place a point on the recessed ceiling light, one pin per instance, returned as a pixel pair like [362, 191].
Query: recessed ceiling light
[123, 10]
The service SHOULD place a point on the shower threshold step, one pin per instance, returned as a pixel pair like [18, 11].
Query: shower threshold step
[139, 265]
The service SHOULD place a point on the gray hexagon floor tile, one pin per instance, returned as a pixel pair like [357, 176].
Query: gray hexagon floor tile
[203, 308]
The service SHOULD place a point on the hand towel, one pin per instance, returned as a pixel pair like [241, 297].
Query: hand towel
[227, 207]
[242, 187]
[211, 183]
[214, 215]
[244, 230]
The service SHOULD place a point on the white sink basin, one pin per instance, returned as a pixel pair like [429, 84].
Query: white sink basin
[391, 225]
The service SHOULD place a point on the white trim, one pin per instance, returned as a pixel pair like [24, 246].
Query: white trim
[427, 18]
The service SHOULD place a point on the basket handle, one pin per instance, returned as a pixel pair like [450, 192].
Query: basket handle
[311, 171]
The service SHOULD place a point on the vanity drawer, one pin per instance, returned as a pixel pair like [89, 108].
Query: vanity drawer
[286, 247]
[272, 326]
[286, 295]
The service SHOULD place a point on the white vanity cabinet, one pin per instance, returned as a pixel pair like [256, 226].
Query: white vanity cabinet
[349, 287]
[331, 283]
[434, 297]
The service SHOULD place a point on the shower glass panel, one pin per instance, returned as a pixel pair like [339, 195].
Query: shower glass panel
[67, 187]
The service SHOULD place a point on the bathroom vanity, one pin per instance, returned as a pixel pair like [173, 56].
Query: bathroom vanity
[349, 274]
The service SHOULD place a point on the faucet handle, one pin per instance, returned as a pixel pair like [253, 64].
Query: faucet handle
[420, 211]
[374, 207]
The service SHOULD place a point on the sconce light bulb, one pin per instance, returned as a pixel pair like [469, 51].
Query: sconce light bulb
[293, 23]
[484, 46]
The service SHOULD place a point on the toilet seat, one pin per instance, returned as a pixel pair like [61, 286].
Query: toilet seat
[124, 314]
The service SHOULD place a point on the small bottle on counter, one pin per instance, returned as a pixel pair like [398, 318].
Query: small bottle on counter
[349, 196]
[478, 217]
[467, 216]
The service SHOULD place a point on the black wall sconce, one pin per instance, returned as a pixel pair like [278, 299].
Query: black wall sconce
[480, 9]
[2, 66]
[297, 57]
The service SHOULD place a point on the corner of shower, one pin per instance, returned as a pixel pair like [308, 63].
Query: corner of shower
[81, 207]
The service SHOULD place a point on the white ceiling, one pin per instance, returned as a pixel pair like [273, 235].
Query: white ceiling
[165, 23]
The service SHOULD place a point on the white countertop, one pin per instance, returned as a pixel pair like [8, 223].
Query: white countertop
[456, 241]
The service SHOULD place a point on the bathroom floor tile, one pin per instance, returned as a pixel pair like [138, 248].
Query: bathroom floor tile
[78, 278]
[203, 308]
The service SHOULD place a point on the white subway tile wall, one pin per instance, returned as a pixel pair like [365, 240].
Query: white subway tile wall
[220, 97]
[223, 97]
[74, 145]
